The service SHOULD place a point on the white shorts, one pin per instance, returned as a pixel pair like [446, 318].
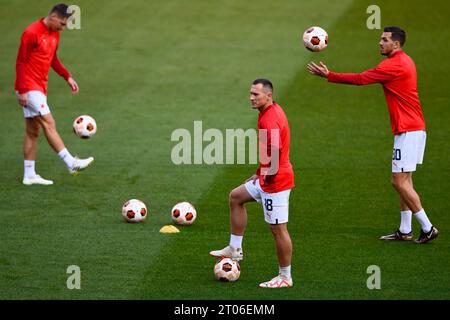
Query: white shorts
[276, 205]
[409, 148]
[37, 104]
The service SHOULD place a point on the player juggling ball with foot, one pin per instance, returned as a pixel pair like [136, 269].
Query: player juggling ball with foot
[37, 53]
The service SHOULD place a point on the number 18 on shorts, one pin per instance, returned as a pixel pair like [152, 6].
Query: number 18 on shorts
[275, 205]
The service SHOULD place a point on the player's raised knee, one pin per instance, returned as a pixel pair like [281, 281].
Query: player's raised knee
[233, 197]
[236, 196]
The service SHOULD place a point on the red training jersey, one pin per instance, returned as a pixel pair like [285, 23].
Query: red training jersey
[37, 53]
[398, 76]
[270, 119]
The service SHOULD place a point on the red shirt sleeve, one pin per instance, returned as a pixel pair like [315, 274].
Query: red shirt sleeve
[383, 73]
[27, 42]
[59, 67]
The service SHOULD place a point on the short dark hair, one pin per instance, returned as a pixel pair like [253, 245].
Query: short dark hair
[61, 10]
[266, 83]
[398, 34]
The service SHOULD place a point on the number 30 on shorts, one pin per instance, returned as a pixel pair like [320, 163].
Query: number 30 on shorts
[397, 155]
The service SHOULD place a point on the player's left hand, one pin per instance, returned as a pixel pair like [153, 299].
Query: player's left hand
[253, 178]
[268, 179]
[73, 85]
[321, 70]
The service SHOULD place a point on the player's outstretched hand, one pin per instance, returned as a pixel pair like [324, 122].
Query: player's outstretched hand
[73, 85]
[321, 70]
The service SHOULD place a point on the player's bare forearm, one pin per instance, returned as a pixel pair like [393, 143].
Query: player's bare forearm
[318, 70]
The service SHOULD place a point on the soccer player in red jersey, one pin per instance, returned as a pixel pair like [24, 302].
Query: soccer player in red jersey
[270, 185]
[37, 53]
[397, 74]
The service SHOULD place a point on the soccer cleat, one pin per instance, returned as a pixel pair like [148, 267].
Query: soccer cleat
[427, 236]
[279, 281]
[37, 179]
[397, 235]
[80, 164]
[229, 252]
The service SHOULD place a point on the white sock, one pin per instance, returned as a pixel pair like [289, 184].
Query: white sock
[422, 217]
[286, 271]
[405, 221]
[65, 155]
[29, 168]
[236, 241]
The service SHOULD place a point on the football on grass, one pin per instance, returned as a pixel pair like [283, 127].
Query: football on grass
[184, 213]
[134, 210]
[84, 126]
[227, 270]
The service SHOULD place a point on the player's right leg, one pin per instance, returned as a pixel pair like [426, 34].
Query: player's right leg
[405, 216]
[32, 129]
[238, 220]
[30, 176]
[400, 182]
[283, 246]
[276, 214]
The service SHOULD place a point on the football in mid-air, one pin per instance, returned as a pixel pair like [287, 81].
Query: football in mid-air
[183, 213]
[134, 210]
[315, 39]
[227, 270]
[84, 126]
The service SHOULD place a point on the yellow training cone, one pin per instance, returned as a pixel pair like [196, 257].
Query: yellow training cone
[169, 229]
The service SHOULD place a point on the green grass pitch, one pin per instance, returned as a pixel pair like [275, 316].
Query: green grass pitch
[146, 68]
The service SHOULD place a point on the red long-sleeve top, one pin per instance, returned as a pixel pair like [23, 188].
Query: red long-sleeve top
[37, 53]
[398, 76]
[274, 122]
